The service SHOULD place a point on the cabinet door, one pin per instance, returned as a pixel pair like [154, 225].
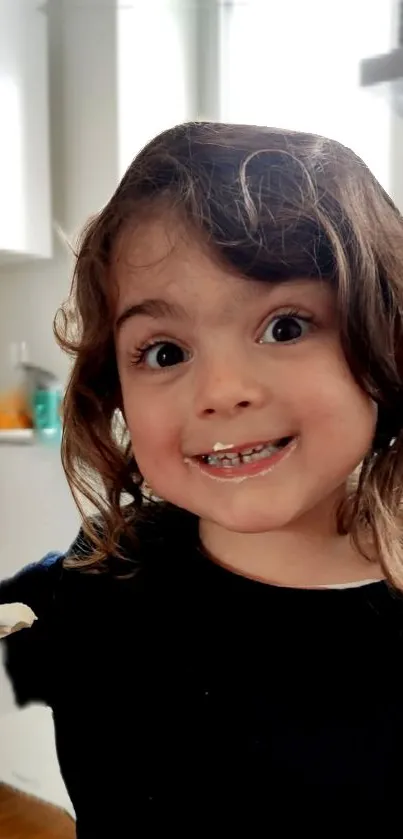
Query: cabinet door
[25, 216]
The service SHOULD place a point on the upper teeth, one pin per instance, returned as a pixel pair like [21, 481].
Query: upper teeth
[242, 452]
[244, 456]
[254, 449]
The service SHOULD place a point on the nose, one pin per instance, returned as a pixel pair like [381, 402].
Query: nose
[228, 388]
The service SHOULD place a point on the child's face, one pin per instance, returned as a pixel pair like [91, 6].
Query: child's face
[222, 372]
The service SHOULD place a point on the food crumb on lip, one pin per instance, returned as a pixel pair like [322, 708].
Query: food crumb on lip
[218, 447]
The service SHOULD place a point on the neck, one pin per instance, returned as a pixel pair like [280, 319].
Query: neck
[307, 553]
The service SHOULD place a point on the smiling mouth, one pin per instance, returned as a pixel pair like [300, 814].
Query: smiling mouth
[245, 455]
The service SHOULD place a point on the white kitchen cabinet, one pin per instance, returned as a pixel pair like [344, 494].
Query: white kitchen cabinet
[25, 202]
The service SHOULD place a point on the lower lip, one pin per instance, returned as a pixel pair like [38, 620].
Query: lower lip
[247, 470]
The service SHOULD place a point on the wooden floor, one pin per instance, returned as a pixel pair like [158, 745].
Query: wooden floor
[23, 817]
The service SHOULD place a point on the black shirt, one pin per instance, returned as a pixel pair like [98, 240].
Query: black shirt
[190, 697]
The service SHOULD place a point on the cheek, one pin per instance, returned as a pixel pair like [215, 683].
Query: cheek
[335, 411]
[153, 425]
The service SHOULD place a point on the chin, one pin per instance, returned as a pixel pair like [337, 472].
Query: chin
[252, 523]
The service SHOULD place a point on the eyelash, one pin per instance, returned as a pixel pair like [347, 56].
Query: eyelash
[138, 354]
[292, 313]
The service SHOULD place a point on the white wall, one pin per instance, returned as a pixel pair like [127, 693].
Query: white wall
[396, 161]
[157, 85]
[300, 70]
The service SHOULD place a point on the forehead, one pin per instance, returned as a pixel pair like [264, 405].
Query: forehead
[161, 259]
[164, 260]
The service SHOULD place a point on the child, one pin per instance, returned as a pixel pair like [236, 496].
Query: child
[225, 635]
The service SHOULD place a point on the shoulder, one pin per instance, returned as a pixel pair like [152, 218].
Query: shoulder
[35, 583]
[154, 550]
[81, 612]
[26, 654]
[40, 584]
[145, 540]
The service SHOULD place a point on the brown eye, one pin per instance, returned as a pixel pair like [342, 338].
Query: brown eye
[285, 329]
[164, 354]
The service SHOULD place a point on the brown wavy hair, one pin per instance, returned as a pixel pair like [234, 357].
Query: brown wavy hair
[273, 204]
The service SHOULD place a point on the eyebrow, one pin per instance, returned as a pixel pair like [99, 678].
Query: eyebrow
[152, 308]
